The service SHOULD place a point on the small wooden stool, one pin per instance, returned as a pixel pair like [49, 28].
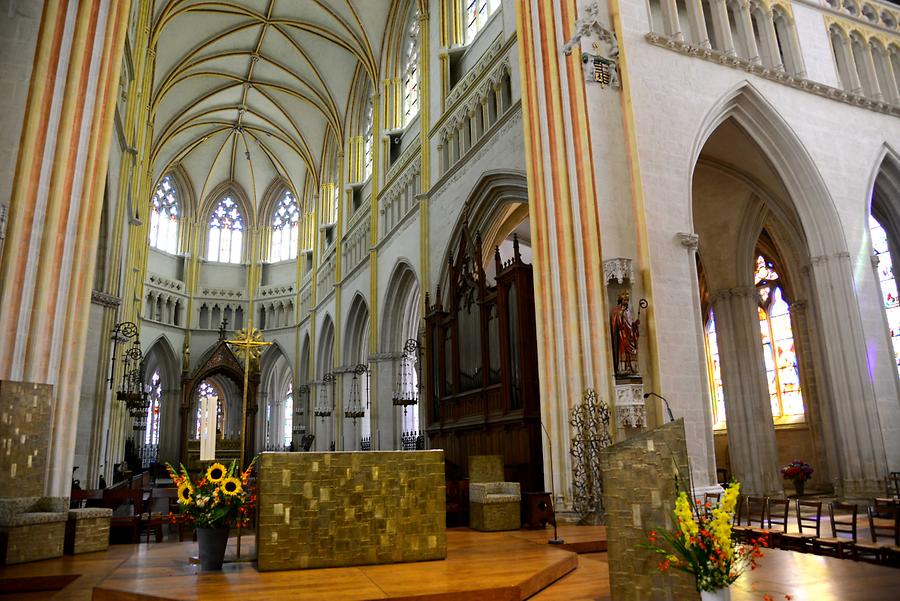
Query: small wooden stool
[538, 510]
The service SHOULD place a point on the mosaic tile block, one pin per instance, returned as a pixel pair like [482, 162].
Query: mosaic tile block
[350, 508]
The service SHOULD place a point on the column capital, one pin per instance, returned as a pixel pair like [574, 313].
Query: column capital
[736, 292]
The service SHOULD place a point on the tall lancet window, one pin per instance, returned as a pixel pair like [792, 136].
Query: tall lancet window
[164, 217]
[226, 232]
[288, 405]
[368, 140]
[477, 13]
[782, 371]
[151, 434]
[888, 284]
[411, 69]
[285, 228]
[714, 369]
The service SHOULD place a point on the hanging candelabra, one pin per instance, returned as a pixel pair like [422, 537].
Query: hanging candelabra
[406, 391]
[323, 407]
[302, 399]
[132, 390]
[354, 409]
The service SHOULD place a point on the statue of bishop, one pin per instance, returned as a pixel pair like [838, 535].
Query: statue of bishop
[625, 332]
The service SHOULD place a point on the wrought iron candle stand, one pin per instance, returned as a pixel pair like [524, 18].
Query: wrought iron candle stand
[590, 422]
[406, 392]
[354, 409]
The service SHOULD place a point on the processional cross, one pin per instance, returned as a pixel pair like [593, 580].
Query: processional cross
[250, 343]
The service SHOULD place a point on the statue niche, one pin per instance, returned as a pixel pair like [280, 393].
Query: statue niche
[481, 385]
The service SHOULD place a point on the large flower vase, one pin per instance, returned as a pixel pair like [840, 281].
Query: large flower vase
[799, 485]
[723, 594]
[212, 542]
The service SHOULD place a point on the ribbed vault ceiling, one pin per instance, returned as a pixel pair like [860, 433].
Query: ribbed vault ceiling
[248, 90]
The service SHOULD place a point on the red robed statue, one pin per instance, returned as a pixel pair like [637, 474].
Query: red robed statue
[624, 331]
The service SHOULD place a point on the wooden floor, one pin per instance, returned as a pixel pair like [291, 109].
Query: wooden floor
[805, 577]
[487, 566]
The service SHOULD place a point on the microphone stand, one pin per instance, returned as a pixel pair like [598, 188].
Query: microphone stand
[555, 540]
[668, 409]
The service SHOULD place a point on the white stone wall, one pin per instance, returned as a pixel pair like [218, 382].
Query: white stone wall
[674, 97]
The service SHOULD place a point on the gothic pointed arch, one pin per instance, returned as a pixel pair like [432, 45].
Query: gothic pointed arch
[401, 319]
[787, 155]
[356, 332]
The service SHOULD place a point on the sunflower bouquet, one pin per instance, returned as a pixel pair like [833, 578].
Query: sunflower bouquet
[702, 545]
[222, 497]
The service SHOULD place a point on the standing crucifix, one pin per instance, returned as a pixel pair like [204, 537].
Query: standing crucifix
[250, 344]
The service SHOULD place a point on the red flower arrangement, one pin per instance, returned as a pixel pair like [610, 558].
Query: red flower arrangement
[797, 471]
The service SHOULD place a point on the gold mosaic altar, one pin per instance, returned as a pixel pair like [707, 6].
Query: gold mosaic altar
[350, 508]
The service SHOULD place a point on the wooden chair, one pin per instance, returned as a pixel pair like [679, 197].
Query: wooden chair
[722, 475]
[710, 501]
[894, 485]
[777, 511]
[177, 520]
[836, 545]
[883, 523]
[129, 512]
[755, 511]
[126, 504]
[809, 517]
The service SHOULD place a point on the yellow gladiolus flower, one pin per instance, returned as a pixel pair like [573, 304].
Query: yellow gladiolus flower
[216, 472]
[231, 487]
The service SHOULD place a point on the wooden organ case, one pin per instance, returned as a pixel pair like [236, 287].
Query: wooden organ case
[481, 383]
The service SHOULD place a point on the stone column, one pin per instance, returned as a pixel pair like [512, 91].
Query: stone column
[852, 427]
[572, 326]
[845, 56]
[47, 268]
[670, 19]
[698, 24]
[770, 41]
[745, 24]
[748, 411]
[721, 26]
[871, 74]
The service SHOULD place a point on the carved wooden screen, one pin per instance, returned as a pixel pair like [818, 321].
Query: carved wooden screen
[481, 385]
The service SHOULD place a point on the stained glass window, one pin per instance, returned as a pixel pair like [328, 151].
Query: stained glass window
[151, 434]
[888, 284]
[779, 352]
[288, 415]
[477, 13]
[411, 70]
[285, 228]
[226, 232]
[164, 217]
[715, 371]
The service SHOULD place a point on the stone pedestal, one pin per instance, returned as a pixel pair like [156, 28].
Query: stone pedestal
[350, 508]
[631, 411]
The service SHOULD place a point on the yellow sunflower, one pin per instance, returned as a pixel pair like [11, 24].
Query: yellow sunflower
[231, 486]
[185, 494]
[216, 472]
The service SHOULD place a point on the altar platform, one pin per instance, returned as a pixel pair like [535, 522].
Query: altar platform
[504, 566]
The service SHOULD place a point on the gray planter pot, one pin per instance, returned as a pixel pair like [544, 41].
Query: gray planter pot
[212, 542]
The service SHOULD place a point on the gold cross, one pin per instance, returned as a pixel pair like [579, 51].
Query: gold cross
[251, 343]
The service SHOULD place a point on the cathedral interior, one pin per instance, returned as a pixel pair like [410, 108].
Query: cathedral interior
[535, 230]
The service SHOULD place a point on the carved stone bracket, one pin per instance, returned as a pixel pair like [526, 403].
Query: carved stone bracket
[688, 240]
[631, 412]
[105, 300]
[618, 269]
[600, 67]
